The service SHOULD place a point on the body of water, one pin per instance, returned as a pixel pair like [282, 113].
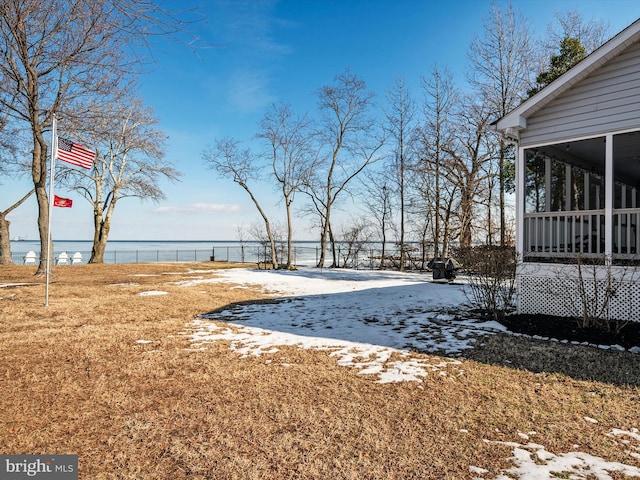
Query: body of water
[305, 253]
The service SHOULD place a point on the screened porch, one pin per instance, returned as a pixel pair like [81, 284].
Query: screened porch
[577, 203]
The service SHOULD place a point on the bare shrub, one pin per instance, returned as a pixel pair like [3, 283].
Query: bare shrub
[492, 278]
[589, 290]
[354, 239]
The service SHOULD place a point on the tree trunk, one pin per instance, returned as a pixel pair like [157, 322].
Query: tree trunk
[384, 242]
[272, 242]
[102, 226]
[100, 238]
[43, 222]
[287, 202]
[466, 208]
[402, 249]
[5, 240]
[39, 176]
[336, 256]
[323, 237]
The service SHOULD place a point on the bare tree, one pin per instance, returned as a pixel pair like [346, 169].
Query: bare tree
[400, 123]
[466, 167]
[435, 141]
[292, 161]
[55, 53]
[378, 203]
[351, 138]
[230, 162]
[502, 62]
[571, 24]
[129, 163]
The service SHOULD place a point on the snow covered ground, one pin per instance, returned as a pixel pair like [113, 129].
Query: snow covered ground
[375, 322]
[365, 318]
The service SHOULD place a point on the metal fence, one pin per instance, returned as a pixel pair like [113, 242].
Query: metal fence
[361, 256]
[249, 254]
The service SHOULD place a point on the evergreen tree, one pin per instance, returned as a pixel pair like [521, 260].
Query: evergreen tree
[571, 52]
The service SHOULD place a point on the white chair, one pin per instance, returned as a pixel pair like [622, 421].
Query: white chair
[76, 259]
[63, 259]
[30, 258]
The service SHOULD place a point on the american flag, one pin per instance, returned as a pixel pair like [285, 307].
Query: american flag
[75, 153]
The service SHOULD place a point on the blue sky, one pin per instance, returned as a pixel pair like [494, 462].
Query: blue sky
[260, 52]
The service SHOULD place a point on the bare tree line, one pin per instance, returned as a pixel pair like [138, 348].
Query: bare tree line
[429, 169]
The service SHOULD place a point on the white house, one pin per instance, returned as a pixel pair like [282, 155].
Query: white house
[577, 182]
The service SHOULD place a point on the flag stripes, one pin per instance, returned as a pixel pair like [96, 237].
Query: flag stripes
[75, 153]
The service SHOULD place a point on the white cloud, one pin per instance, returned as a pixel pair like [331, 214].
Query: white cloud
[248, 90]
[200, 208]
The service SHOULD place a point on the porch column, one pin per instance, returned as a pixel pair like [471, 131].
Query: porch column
[609, 194]
[520, 201]
[520, 191]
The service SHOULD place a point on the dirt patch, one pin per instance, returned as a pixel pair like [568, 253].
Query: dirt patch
[543, 356]
[568, 329]
[549, 344]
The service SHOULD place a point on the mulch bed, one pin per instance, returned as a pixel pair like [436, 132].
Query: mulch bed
[563, 328]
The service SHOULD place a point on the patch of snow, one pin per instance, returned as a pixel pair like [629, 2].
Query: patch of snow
[8, 285]
[473, 469]
[368, 358]
[534, 462]
[152, 292]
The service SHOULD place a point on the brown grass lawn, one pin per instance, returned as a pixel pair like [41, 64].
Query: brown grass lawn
[76, 380]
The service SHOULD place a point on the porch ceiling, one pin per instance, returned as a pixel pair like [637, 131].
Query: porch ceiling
[590, 154]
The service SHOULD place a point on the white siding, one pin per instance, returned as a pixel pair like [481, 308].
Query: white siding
[608, 100]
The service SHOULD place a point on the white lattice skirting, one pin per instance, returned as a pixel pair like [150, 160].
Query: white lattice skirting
[556, 290]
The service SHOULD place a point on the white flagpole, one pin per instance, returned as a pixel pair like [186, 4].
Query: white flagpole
[54, 151]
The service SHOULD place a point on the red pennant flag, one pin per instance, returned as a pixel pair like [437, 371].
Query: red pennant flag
[62, 202]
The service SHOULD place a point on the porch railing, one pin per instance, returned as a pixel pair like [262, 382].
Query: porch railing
[565, 234]
[626, 243]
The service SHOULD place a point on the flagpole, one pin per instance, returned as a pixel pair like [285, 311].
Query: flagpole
[54, 147]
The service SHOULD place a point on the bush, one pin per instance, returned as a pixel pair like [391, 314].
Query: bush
[492, 278]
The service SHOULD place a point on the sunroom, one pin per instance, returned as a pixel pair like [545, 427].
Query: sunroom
[577, 202]
[577, 186]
